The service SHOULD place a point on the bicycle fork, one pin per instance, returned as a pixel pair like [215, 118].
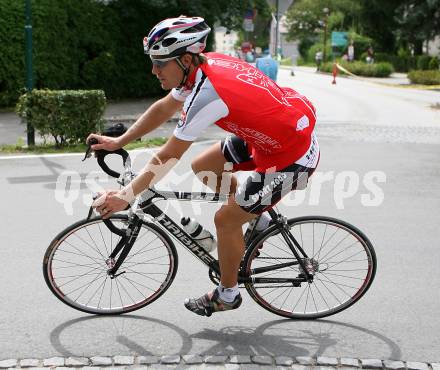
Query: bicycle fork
[128, 237]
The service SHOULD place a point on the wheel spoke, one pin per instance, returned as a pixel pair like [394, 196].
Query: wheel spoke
[77, 268]
[103, 241]
[134, 286]
[78, 277]
[323, 260]
[340, 266]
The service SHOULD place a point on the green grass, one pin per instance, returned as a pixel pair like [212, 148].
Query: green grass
[77, 148]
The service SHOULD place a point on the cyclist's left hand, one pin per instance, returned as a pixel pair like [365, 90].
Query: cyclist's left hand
[109, 202]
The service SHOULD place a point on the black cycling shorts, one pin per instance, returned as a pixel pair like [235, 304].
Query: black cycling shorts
[261, 190]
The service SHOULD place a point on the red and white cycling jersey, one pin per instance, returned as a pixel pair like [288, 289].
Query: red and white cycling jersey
[276, 122]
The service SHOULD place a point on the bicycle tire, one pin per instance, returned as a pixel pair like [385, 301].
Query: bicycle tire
[75, 267]
[301, 302]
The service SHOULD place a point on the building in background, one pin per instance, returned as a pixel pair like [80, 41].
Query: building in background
[225, 41]
[279, 46]
[287, 49]
[432, 47]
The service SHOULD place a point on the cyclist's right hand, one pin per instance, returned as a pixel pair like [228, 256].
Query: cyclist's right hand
[104, 142]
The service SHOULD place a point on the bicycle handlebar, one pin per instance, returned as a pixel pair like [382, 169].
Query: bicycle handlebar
[102, 153]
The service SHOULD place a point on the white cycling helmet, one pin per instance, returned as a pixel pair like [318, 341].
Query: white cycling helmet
[176, 36]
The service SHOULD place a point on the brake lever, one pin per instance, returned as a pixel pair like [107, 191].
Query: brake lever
[90, 214]
[88, 154]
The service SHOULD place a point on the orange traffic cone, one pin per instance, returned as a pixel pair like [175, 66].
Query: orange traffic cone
[335, 73]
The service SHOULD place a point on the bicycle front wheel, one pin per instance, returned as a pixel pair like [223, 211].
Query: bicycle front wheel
[76, 263]
[338, 255]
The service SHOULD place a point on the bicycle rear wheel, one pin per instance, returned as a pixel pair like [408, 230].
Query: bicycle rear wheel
[340, 257]
[75, 267]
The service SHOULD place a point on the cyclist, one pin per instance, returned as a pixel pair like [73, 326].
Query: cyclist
[267, 65]
[272, 136]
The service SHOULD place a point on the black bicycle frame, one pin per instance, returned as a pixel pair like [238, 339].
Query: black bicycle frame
[149, 208]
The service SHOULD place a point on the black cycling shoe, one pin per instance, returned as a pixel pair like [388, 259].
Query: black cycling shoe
[209, 303]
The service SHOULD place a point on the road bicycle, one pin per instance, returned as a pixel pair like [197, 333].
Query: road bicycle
[300, 268]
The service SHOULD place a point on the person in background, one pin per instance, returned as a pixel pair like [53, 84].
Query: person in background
[350, 51]
[268, 65]
[318, 60]
[370, 55]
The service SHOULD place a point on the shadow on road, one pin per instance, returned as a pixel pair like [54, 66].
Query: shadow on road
[131, 334]
[288, 337]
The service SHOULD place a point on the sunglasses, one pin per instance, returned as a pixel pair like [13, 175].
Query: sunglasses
[161, 63]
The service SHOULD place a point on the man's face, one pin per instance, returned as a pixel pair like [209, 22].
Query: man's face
[168, 73]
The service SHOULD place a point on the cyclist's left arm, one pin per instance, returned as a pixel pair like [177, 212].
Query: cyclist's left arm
[112, 201]
[157, 168]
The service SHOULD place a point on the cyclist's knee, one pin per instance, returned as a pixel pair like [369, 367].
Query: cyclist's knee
[197, 165]
[231, 216]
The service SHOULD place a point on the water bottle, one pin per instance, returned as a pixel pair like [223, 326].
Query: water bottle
[197, 232]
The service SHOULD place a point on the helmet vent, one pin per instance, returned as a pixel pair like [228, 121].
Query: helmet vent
[151, 32]
[177, 23]
[197, 28]
[169, 41]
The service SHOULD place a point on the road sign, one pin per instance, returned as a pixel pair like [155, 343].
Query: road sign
[339, 39]
[248, 25]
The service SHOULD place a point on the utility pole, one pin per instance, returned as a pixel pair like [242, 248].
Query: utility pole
[28, 53]
[277, 17]
[324, 56]
[281, 6]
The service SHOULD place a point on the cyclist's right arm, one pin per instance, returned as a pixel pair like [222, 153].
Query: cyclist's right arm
[158, 113]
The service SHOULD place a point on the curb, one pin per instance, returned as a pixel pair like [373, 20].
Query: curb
[212, 362]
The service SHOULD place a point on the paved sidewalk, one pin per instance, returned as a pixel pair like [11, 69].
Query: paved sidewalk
[231, 362]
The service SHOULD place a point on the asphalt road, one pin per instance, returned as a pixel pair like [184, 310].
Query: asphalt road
[397, 319]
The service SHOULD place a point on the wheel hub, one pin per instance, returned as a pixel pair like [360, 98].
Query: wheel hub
[311, 265]
[110, 262]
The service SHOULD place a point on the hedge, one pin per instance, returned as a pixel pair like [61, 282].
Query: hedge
[67, 116]
[362, 69]
[405, 63]
[11, 56]
[85, 44]
[425, 77]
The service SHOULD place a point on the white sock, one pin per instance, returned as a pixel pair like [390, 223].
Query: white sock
[228, 294]
[263, 222]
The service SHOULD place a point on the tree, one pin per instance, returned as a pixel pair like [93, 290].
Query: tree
[418, 21]
[312, 21]
[378, 22]
[305, 18]
[97, 44]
